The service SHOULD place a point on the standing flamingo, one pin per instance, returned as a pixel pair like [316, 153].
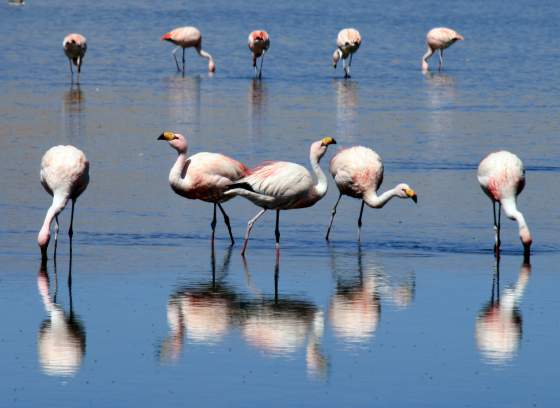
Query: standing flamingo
[259, 42]
[203, 176]
[75, 47]
[187, 37]
[439, 39]
[347, 43]
[502, 177]
[280, 185]
[358, 173]
[64, 175]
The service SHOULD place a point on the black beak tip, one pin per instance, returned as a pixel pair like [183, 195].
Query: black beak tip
[161, 137]
[415, 199]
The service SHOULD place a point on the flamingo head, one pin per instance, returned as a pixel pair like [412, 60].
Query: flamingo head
[319, 148]
[337, 54]
[526, 238]
[403, 190]
[459, 37]
[176, 140]
[43, 240]
[211, 66]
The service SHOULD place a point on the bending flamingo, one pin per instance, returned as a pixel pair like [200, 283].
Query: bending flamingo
[64, 175]
[358, 173]
[279, 185]
[75, 47]
[203, 176]
[439, 39]
[502, 177]
[187, 37]
[258, 44]
[347, 43]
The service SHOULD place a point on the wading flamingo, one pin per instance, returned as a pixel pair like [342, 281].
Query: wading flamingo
[280, 185]
[439, 39]
[347, 43]
[187, 37]
[502, 177]
[358, 173]
[75, 47]
[203, 176]
[64, 175]
[258, 44]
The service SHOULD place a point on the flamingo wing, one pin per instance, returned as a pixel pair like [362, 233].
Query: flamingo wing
[279, 179]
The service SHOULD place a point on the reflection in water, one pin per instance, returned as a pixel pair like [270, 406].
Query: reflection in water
[74, 113]
[257, 102]
[185, 101]
[441, 99]
[499, 324]
[355, 307]
[62, 337]
[346, 109]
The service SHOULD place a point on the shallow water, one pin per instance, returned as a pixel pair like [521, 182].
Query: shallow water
[415, 315]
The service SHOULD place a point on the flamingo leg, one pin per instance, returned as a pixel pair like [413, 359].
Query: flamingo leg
[249, 228]
[360, 220]
[70, 275]
[56, 226]
[175, 57]
[226, 220]
[183, 60]
[79, 65]
[440, 59]
[213, 224]
[71, 229]
[349, 65]
[277, 230]
[260, 68]
[71, 70]
[333, 213]
[344, 67]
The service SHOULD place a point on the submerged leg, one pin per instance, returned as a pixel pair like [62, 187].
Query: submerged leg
[360, 220]
[71, 70]
[440, 59]
[260, 68]
[56, 227]
[349, 65]
[249, 228]
[213, 224]
[226, 220]
[175, 57]
[277, 230]
[333, 213]
[183, 61]
[71, 229]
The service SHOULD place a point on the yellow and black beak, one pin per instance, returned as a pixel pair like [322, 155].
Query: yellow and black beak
[168, 136]
[328, 141]
[411, 194]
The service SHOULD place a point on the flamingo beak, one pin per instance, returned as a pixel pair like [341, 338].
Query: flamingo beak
[328, 141]
[168, 136]
[410, 193]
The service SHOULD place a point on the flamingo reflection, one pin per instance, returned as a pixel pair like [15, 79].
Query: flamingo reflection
[499, 325]
[74, 112]
[355, 307]
[62, 338]
[346, 109]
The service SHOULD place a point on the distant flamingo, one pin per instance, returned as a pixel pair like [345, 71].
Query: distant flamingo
[64, 175]
[502, 177]
[347, 43]
[75, 47]
[279, 185]
[187, 37]
[439, 39]
[258, 44]
[358, 173]
[203, 176]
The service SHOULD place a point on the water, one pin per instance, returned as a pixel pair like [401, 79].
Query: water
[415, 315]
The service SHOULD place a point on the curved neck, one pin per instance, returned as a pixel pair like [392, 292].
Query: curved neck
[374, 201]
[510, 208]
[321, 185]
[58, 204]
[204, 54]
[427, 55]
[178, 173]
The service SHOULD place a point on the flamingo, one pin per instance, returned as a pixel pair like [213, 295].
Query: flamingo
[358, 173]
[75, 47]
[187, 37]
[64, 175]
[203, 176]
[280, 185]
[439, 39]
[347, 43]
[502, 177]
[259, 42]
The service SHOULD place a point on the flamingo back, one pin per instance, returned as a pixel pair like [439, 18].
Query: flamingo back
[357, 170]
[184, 36]
[348, 41]
[65, 169]
[501, 175]
[442, 37]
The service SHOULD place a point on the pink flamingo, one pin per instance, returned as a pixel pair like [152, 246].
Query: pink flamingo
[280, 185]
[187, 37]
[347, 43]
[358, 173]
[64, 175]
[439, 39]
[259, 41]
[502, 177]
[203, 176]
[75, 47]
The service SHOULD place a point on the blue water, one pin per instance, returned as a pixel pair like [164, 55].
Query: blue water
[418, 314]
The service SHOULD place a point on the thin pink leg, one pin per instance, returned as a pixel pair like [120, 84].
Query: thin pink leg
[249, 228]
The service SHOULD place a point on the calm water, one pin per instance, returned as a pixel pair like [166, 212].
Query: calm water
[417, 315]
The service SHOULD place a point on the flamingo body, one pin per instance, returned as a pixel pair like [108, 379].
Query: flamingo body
[65, 176]
[188, 37]
[347, 43]
[358, 172]
[258, 42]
[439, 38]
[203, 176]
[501, 176]
[75, 47]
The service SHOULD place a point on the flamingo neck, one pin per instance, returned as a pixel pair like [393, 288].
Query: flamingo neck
[58, 204]
[374, 201]
[321, 185]
[178, 174]
[510, 208]
[204, 54]
[427, 55]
